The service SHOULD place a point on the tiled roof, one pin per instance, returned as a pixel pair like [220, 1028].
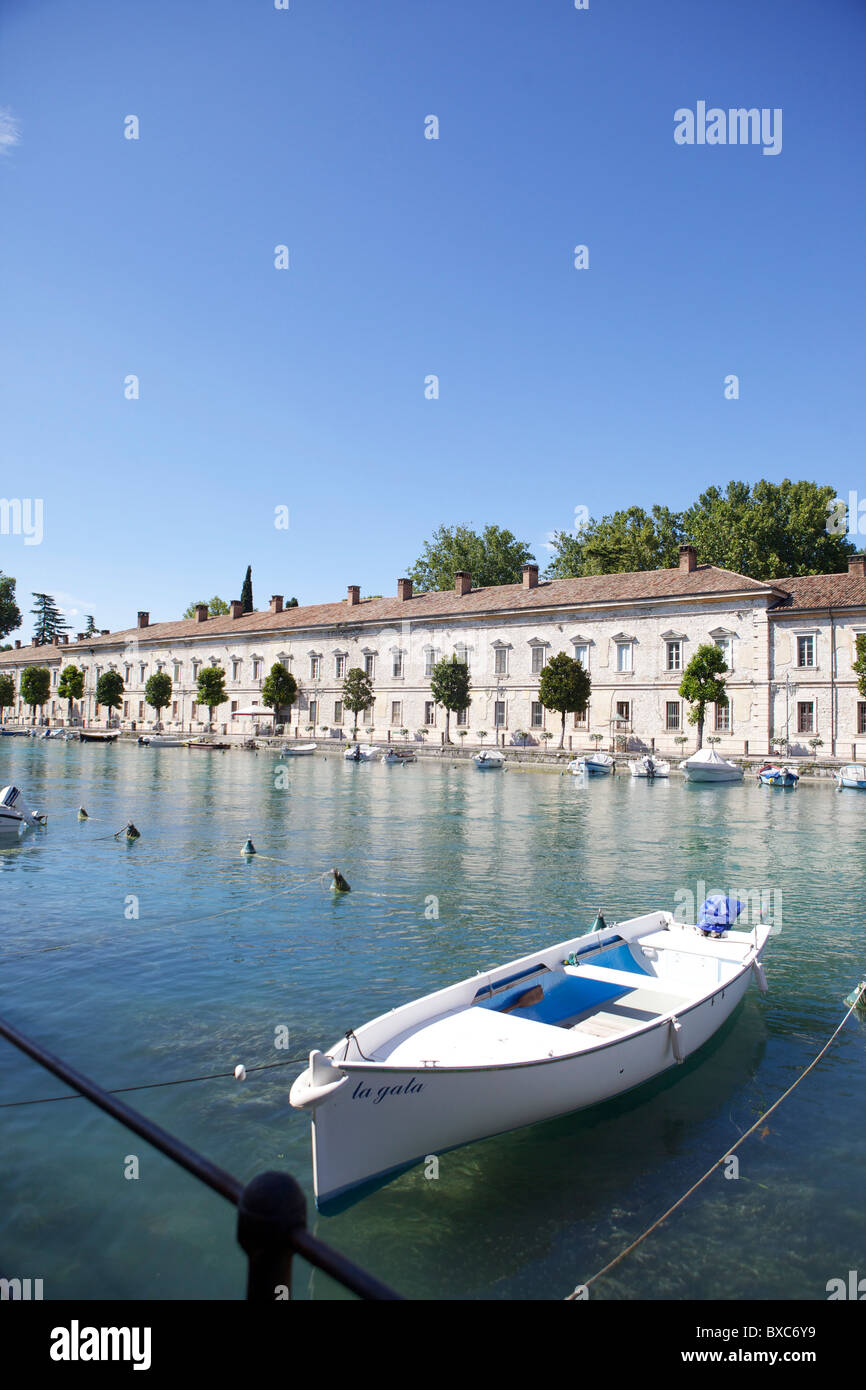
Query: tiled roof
[823, 591]
[595, 590]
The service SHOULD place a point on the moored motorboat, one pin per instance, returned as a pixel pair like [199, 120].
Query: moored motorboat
[15, 814]
[97, 737]
[207, 745]
[709, 766]
[593, 765]
[649, 767]
[851, 775]
[362, 753]
[552, 1032]
[395, 755]
[773, 776]
[488, 760]
[298, 750]
[161, 741]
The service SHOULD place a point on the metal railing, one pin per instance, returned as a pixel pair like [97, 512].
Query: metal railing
[272, 1208]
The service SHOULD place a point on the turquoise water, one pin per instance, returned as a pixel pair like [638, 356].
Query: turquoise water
[225, 952]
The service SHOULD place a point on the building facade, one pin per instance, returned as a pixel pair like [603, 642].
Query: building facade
[789, 647]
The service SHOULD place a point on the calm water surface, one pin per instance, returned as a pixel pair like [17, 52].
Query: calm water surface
[225, 951]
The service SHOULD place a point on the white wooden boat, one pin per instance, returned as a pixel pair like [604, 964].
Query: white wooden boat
[709, 766]
[161, 741]
[15, 814]
[649, 767]
[593, 765]
[298, 750]
[774, 776]
[488, 760]
[851, 775]
[362, 753]
[549, 1033]
[395, 755]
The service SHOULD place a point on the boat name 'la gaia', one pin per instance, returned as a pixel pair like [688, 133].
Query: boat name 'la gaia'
[362, 1092]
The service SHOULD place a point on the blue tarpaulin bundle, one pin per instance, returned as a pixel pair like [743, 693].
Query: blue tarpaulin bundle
[718, 913]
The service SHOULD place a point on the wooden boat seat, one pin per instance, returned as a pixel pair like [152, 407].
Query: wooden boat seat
[630, 980]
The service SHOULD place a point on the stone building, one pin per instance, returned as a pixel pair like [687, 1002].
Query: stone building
[789, 646]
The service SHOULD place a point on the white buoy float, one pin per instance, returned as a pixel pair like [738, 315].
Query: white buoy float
[240, 1072]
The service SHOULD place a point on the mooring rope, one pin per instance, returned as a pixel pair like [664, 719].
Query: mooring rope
[578, 1292]
[154, 1085]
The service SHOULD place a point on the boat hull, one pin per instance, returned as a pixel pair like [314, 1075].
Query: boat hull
[383, 1120]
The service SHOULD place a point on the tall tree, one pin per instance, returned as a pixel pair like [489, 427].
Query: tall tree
[35, 686]
[623, 542]
[7, 694]
[89, 625]
[50, 622]
[217, 608]
[292, 603]
[357, 694]
[10, 613]
[109, 691]
[702, 684]
[564, 687]
[767, 530]
[70, 686]
[211, 688]
[157, 691]
[279, 689]
[859, 663]
[450, 685]
[247, 591]
[494, 557]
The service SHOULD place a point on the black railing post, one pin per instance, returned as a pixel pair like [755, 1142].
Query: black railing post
[271, 1211]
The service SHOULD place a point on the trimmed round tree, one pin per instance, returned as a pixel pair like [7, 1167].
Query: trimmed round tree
[450, 685]
[109, 691]
[279, 689]
[7, 694]
[702, 684]
[157, 691]
[211, 689]
[35, 687]
[565, 687]
[357, 694]
[70, 687]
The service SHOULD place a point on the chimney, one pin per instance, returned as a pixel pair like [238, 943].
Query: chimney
[105, 632]
[404, 589]
[354, 597]
[857, 565]
[81, 636]
[143, 619]
[462, 582]
[17, 645]
[530, 576]
[236, 608]
[688, 559]
[201, 612]
[276, 603]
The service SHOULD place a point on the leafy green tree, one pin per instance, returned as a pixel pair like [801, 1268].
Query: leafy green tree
[624, 542]
[157, 691]
[247, 591]
[7, 694]
[70, 686]
[450, 685]
[10, 613]
[211, 688]
[279, 689]
[217, 608]
[702, 684]
[565, 687]
[494, 557]
[859, 663]
[357, 694]
[35, 686]
[109, 691]
[768, 530]
[292, 603]
[50, 622]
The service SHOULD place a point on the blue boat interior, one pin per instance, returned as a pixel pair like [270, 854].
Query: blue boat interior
[565, 997]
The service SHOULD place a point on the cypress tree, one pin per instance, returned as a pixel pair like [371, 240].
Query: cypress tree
[247, 591]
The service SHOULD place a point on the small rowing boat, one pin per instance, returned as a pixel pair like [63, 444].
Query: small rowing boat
[552, 1032]
[851, 775]
[593, 765]
[395, 755]
[98, 737]
[298, 750]
[778, 776]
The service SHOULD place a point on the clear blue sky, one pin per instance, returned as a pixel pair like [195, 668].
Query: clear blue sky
[558, 388]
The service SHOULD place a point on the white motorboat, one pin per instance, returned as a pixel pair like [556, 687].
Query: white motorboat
[552, 1032]
[362, 753]
[488, 760]
[772, 775]
[297, 750]
[649, 767]
[162, 741]
[709, 766]
[593, 765]
[15, 814]
[851, 775]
